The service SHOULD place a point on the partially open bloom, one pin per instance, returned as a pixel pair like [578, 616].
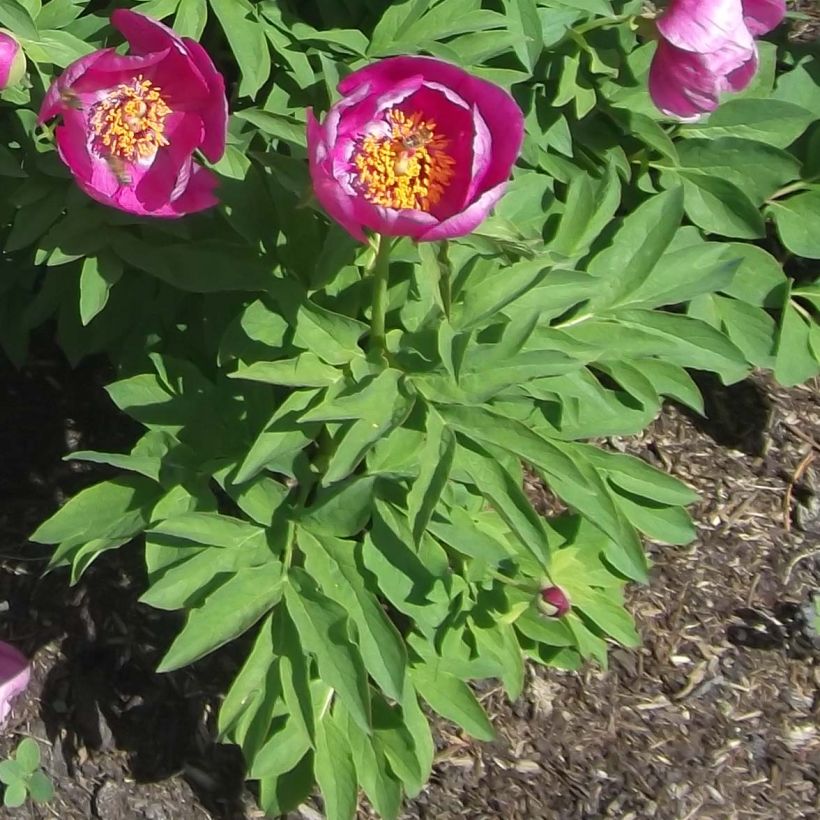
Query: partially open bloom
[416, 147]
[554, 602]
[707, 47]
[12, 60]
[14, 677]
[130, 124]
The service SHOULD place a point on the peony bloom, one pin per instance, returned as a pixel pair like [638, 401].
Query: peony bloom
[12, 60]
[130, 124]
[554, 602]
[14, 677]
[706, 48]
[416, 147]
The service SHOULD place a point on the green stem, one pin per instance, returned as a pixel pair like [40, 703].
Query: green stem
[603, 22]
[800, 185]
[445, 276]
[381, 277]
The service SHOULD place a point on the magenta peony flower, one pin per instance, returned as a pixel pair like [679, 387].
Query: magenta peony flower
[12, 60]
[554, 602]
[706, 48]
[416, 147]
[14, 677]
[130, 124]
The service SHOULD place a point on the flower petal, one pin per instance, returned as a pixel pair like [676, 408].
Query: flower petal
[761, 16]
[702, 26]
[15, 674]
[155, 187]
[331, 195]
[215, 113]
[469, 219]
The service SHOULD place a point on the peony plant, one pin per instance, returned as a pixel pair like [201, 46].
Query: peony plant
[380, 325]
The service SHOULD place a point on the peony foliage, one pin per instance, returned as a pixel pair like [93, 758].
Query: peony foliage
[416, 252]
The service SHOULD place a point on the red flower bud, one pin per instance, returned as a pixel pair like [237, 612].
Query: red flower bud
[12, 60]
[554, 602]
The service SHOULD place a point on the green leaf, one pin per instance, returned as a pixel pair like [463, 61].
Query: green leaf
[590, 206]
[284, 436]
[795, 362]
[27, 755]
[227, 612]
[636, 249]
[497, 290]
[248, 44]
[14, 795]
[756, 168]
[332, 336]
[341, 510]
[452, 699]
[99, 275]
[719, 206]
[771, 121]
[190, 18]
[304, 370]
[608, 615]
[332, 562]
[285, 747]
[335, 772]
[11, 772]
[119, 508]
[436, 462]
[372, 770]
[40, 788]
[376, 421]
[323, 630]
[798, 223]
[248, 687]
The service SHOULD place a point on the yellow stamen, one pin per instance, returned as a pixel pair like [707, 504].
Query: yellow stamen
[407, 169]
[130, 122]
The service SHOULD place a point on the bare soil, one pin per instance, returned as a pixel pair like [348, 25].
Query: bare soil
[714, 717]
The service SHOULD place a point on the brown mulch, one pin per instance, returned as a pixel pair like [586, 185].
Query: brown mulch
[714, 717]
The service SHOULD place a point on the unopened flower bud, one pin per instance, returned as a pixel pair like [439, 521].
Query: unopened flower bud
[554, 602]
[12, 60]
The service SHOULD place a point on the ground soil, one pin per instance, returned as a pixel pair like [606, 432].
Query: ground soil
[714, 717]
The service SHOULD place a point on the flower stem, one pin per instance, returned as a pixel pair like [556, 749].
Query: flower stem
[445, 276]
[381, 277]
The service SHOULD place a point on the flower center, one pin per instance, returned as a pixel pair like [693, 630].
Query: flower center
[408, 168]
[129, 123]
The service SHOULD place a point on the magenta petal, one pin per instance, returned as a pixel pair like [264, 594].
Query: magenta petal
[198, 194]
[703, 26]
[52, 102]
[761, 16]
[155, 188]
[144, 34]
[332, 197]
[392, 222]
[15, 675]
[214, 113]
[468, 220]
[72, 144]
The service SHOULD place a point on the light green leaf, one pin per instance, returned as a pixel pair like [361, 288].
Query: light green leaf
[452, 699]
[227, 612]
[332, 562]
[323, 630]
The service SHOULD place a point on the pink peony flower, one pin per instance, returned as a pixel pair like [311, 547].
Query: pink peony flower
[554, 602]
[14, 677]
[12, 60]
[416, 147]
[130, 124]
[706, 48]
